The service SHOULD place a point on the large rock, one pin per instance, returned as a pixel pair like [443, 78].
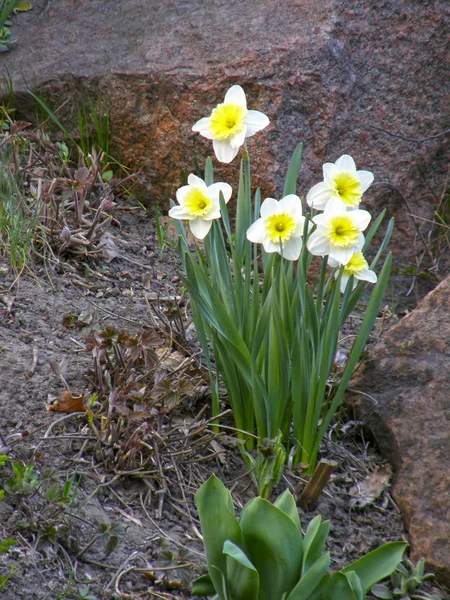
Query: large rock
[406, 382]
[330, 73]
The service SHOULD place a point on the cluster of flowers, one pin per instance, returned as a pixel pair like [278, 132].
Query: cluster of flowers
[338, 230]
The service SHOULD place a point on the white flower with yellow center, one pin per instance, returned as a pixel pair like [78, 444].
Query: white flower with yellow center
[342, 185]
[339, 233]
[200, 204]
[230, 123]
[280, 227]
[356, 266]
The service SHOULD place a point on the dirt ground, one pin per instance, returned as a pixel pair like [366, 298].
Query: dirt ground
[128, 533]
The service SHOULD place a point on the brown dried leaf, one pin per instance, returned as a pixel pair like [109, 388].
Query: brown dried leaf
[68, 403]
[367, 491]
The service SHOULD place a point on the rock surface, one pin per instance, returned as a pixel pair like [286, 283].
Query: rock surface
[406, 380]
[330, 73]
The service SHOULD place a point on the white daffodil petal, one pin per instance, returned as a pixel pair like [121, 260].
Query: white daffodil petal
[361, 218]
[329, 171]
[319, 195]
[292, 249]
[215, 189]
[270, 246]
[203, 127]
[182, 192]
[367, 275]
[346, 164]
[195, 181]
[268, 207]
[255, 121]
[239, 139]
[332, 262]
[365, 178]
[342, 255]
[256, 232]
[290, 203]
[236, 95]
[224, 151]
[336, 205]
[318, 244]
[344, 280]
[178, 212]
[200, 228]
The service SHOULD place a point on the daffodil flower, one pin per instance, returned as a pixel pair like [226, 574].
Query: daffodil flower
[200, 204]
[280, 227]
[356, 266]
[339, 233]
[230, 123]
[342, 185]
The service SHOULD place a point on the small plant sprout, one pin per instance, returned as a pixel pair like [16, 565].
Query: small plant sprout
[265, 555]
[230, 124]
[404, 583]
[272, 325]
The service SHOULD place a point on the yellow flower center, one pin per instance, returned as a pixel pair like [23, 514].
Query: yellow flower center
[197, 203]
[280, 226]
[227, 120]
[348, 188]
[356, 264]
[343, 232]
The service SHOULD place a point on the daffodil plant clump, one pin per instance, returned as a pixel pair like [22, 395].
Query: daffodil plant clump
[273, 327]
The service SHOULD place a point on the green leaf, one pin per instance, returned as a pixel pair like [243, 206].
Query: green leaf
[334, 587]
[315, 546]
[273, 546]
[23, 7]
[6, 544]
[290, 183]
[356, 585]
[382, 592]
[203, 586]
[377, 565]
[286, 503]
[312, 578]
[242, 577]
[218, 524]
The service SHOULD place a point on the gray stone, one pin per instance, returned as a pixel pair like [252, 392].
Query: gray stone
[406, 382]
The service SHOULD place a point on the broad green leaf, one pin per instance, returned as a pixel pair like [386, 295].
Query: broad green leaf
[356, 585]
[273, 546]
[242, 577]
[309, 582]
[334, 587]
[382, 592]
[203, 586]
[286, 503]
[316, 546]
[218, 524]
[377, 565]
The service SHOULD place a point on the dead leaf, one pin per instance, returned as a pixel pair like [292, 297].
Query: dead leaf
[219, 450]
[67, 404]
[367, 491]
[8, 301]
[109, 248]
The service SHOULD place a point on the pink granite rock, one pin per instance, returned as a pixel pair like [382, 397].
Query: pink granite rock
[330, 73]
[407, 376]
